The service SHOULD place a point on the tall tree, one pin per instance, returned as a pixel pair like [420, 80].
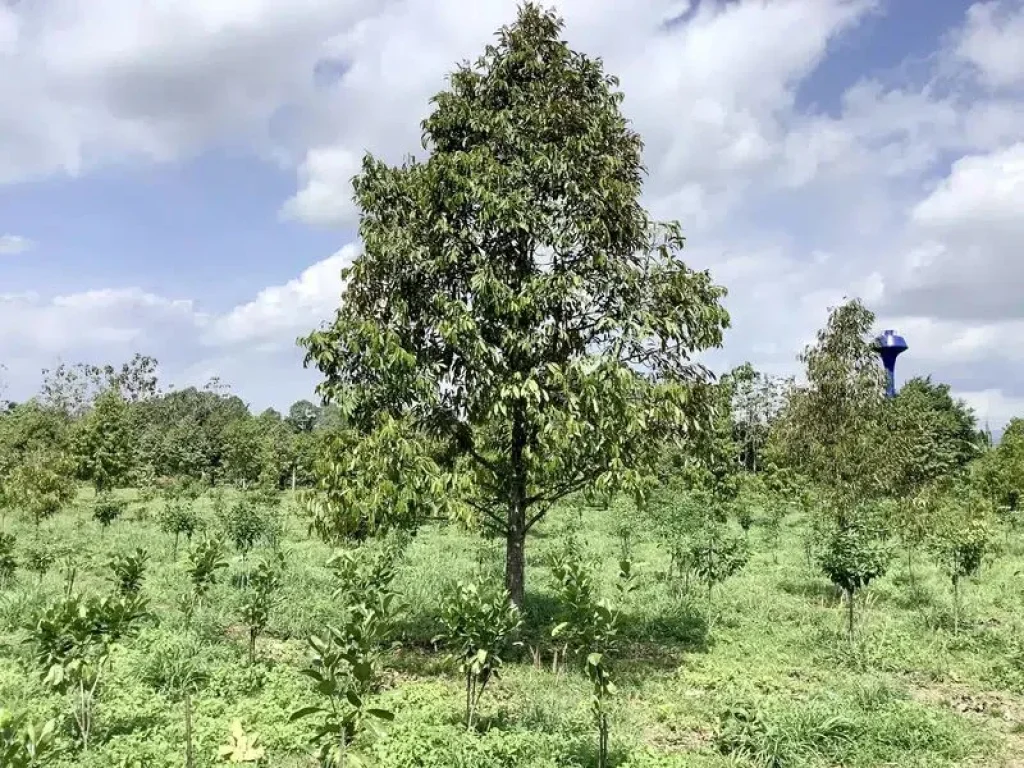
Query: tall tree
[834, 430]
[104, 442]
[514, 306]
[939, 434]
[1000, 472]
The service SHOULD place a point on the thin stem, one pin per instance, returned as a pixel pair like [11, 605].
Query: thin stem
[189, 756]
[849, 613]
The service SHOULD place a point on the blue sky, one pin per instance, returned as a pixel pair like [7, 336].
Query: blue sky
[174, 178]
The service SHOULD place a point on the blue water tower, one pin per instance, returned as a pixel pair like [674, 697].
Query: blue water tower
[889, 346]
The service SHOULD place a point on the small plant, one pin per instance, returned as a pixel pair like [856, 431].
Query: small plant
[589, 631]
[174, 668]
[266, 495]
[39, 558]
[961, 537]
[365, 575]
[585, 620]
[771, 525]
[205, 560]
[745, 517]
[854, 554]
[627, 582]
[478, 626]
[8, 563]
[245, 524]
[261, 587]
[602, 690]
[73, 639]
[24, 744]
[343, 673]
[69, 566]
[218, 502]
[107, 509]
[241, 747]
[128, 571]
[180, 518]
[714, 556]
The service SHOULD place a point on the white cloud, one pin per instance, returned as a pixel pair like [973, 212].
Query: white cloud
[969, 264]
[991, 42]
[12, 244]
[91, 322]
[325, 194]
[710, 96]
[101, 81]
[293, 308]
[993, 408]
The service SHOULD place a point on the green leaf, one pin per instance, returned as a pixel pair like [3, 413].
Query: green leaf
[305, 712]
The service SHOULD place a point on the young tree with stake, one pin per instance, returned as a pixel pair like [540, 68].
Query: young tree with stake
[517, 325]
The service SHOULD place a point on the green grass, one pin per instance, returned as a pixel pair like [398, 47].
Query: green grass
[772, 682]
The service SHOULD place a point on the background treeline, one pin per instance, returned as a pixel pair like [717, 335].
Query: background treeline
[115, 427]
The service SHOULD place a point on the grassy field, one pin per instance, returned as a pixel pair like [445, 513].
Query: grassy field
[772, 682]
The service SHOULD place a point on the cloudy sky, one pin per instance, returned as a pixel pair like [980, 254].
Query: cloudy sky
[174, 174]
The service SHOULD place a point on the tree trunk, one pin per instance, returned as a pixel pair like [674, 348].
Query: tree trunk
[515, 561]
[849, 613]
[956, 606]
[190, 759]
[515, 535]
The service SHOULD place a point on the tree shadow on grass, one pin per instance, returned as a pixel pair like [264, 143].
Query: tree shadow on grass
[815, 589]
[580, 749]
[111, 726]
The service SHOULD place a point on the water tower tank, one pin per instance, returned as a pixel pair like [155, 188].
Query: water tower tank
[889, 346]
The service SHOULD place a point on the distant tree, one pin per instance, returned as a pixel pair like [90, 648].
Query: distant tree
[1000, 472]
[270, 415]
[244, 450]
[517, 322]
[940, 434]
[931, 438]
[41, 484]
[961, 536]
[183, 432]
[71, 389]
[104, 443]
[302, 416]
[757, 400]
[29, 435]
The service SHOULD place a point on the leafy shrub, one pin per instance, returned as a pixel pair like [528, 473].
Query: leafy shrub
[343, 670]
[24, 744]
[73, 639]
[261, 587]
[478, 625]
[245, 524]
[128, 571]
[107, 509]
[39, 557]
[8, 563]
[854, 553]
[585, 621]
[180, 518]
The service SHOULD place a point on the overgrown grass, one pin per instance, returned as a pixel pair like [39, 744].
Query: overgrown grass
[773, 681]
